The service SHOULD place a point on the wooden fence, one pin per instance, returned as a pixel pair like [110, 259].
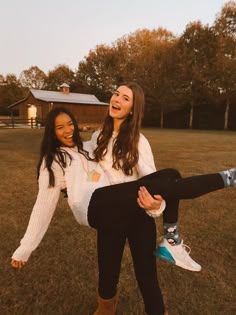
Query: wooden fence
[13, 122]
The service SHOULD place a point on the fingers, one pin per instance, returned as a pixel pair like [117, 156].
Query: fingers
[158, 197]
[144, 198]
[139, 203]
[144, 193]
[146, 201]
[17, 264]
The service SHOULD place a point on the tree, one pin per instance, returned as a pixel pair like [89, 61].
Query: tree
[59, 75]
[12, 79]
[131, 57]
[33, 78]
[2, 80]
[98, 72]
[152, 65]
[196, 52]
[224, 75]
[10, 92]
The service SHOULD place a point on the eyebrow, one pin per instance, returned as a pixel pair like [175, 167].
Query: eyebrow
[123, 94]
[68, 122]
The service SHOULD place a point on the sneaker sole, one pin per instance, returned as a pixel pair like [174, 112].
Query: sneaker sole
[164, 254]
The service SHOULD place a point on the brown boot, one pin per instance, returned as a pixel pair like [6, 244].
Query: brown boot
[106, 307]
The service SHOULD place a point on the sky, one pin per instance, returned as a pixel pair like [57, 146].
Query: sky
[46, 33]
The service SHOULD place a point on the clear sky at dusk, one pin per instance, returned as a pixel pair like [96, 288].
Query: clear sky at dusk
[46, 33]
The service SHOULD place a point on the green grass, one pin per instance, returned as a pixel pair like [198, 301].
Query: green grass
[61, 275]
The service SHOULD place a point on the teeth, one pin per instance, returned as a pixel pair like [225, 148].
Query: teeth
[115, 107]
[69, 137]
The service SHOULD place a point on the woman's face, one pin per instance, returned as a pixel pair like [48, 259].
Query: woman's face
[121, 103]
[64, 130]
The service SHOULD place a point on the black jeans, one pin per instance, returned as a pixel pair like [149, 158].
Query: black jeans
[114, 212]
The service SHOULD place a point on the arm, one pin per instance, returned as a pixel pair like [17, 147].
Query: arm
[145, 166]
[146, 163]
[41, 216]
[93, 141]
[155, 205]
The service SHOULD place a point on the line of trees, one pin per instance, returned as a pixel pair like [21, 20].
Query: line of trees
[189, 80]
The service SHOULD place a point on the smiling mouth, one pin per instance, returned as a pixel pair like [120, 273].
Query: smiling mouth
[115, 107]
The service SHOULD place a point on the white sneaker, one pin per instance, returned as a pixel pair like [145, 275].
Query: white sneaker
[177, 255]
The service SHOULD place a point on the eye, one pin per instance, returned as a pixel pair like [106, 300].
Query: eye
[115, 93]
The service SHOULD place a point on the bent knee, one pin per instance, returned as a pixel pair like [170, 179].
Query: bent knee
[174, 173]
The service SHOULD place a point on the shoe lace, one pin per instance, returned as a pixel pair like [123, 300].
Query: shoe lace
[187, 248]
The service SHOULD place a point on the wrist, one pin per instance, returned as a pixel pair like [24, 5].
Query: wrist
[157, 212]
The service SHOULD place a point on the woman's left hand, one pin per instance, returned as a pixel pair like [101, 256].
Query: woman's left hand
[147, 201]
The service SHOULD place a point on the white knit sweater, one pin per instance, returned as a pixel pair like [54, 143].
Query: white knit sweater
[79, 189]
[145, 166]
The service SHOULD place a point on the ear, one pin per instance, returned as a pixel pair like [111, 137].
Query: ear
[131, 113]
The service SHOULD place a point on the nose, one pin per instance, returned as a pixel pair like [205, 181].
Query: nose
[117, 98]
[68, 129]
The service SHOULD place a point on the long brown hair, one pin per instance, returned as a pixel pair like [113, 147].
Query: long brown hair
[51, 150]
[125, 148]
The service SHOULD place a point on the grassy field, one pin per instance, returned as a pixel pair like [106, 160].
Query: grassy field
[61, 275]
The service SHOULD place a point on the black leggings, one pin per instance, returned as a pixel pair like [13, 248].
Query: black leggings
[112, 206]
[113, 212]
[140, 233]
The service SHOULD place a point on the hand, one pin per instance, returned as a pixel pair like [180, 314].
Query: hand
[147, 201]
[18, 264]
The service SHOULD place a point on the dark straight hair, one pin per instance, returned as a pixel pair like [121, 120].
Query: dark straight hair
[51, 150]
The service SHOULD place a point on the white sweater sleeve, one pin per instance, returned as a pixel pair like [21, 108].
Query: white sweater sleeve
[93, 141]
[42, 213]
[146, 166]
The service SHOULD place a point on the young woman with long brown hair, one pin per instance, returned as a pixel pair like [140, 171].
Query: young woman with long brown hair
[125, 155]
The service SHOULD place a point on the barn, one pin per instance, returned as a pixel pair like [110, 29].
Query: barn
[88, 110]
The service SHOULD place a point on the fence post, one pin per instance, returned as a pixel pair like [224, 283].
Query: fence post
[12, 122]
